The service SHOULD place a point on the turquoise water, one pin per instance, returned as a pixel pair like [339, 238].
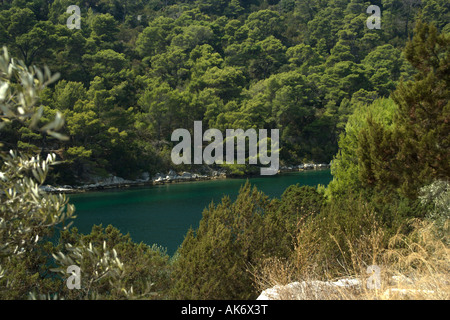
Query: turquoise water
[163, 214]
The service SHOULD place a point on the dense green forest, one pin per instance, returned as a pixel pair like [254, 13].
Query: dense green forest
[137, 70]
[375, 101]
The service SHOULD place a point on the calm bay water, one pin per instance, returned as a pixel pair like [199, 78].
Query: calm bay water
[163, 214]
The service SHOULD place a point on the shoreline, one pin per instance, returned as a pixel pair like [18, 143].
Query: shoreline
[114, 182]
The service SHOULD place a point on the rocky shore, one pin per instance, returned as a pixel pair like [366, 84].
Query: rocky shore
[113, 182]
[304, 167]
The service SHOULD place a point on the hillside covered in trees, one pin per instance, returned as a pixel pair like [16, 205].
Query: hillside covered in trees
[374, 101]
[137, 70]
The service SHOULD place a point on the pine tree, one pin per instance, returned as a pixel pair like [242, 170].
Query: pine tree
[423, 133]
[416, 150]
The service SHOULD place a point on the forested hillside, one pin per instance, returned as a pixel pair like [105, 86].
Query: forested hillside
[137, 70]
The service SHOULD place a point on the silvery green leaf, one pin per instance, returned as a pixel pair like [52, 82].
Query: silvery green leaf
[54, 78]
[58, 136]
[36, 116]
[39, 75]
[59, 120]
[3, 90]
[49, 126]
[6, 111]
[5, 53]
[47, 72]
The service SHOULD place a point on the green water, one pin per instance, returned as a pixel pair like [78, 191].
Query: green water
[163, 214]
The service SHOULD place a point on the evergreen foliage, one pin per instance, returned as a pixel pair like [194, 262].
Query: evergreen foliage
[136, 71]
[374, 99]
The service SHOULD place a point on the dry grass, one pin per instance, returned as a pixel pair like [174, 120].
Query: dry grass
[415, 267]
[421, 264]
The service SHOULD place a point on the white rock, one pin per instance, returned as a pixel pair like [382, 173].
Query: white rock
[186, 175]
[307, 290]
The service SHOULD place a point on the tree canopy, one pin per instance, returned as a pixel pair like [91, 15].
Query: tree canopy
[145, 68]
